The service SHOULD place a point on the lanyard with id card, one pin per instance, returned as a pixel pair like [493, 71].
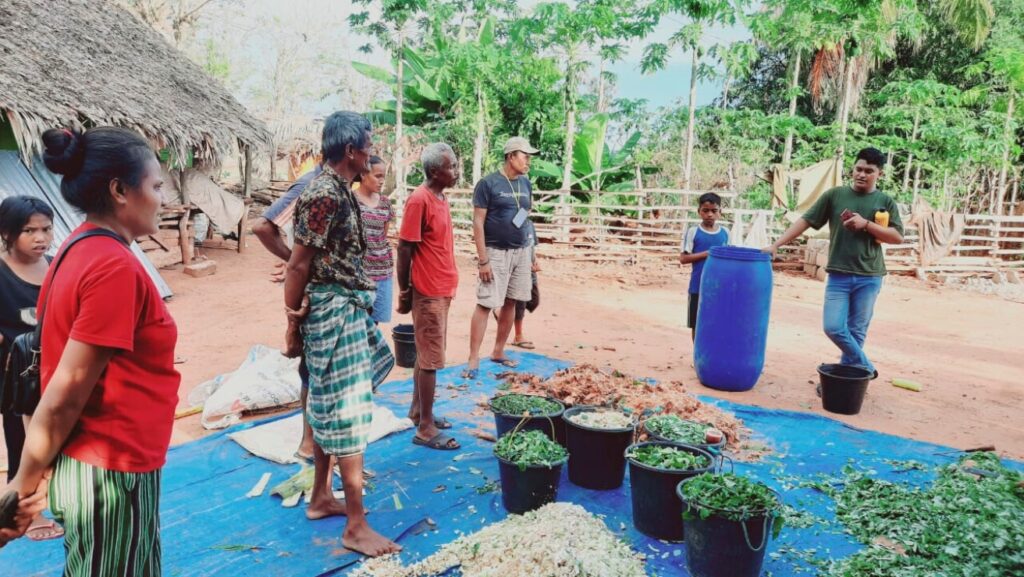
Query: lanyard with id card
[520, 217]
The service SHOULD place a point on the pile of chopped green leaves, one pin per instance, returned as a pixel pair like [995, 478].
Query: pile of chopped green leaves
[516, 404]
[666, 457]
[672, 428]
[731, 496]
[970, 522]
[529, 449]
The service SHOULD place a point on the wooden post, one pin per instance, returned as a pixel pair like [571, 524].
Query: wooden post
[183, 240]
[243, 224]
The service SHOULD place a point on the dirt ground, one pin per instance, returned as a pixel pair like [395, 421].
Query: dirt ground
[964, 348]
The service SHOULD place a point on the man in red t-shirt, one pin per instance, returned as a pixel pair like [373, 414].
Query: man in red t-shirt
[427, 279]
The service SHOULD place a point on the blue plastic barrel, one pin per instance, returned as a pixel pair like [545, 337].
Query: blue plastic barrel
[732, 318]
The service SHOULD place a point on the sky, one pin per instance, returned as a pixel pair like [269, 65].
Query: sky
[251, 31]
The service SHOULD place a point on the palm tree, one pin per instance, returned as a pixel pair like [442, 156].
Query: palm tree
[702, 13]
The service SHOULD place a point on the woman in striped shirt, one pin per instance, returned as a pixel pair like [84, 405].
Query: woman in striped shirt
[377, 214]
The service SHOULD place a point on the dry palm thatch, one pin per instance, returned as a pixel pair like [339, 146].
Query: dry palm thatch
[85, 63]
[296, 135]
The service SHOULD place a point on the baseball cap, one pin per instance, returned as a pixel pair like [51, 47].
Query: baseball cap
[518, 143]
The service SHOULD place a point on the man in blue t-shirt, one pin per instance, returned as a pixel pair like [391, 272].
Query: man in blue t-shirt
[501, 209]
[697, 242]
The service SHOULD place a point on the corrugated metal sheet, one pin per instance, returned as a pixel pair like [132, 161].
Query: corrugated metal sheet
[17, 179]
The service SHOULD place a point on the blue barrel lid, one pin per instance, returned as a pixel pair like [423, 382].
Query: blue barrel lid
[739, 253]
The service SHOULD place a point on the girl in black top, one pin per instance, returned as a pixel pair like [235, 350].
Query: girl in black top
[26, 233]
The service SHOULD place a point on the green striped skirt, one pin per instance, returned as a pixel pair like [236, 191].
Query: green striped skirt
[347, 358]
[111, 519]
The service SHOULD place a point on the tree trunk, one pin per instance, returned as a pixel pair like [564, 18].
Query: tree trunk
[570, 118]
[917, 182]
[844, 109]
[787, 152]
[725, 91]
[601, 104]
[399, 104]
[1008, 143]
[688, 151]
[910, 156]
[479, 142]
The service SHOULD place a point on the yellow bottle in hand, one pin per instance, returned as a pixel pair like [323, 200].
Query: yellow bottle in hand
[882, 220]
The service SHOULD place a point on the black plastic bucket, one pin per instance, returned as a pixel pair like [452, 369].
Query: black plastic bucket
[657, 511]
[714, 448]
[720, 547]
[551, 425]
[843, 388]
[528, 489]
[405, 346]
[596, 456]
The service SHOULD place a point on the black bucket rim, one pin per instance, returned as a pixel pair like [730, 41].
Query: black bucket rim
[719, 445]
[490, 406]
[822, 372]
[395, 329]
[588, 408]
[548, 467]
[763, 513]
[695, 449]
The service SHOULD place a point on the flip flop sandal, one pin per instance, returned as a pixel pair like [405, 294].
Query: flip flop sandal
[440, 441]
[528, 345]
[439, 422]
[49, 529]
[471, 374]
[300, 458]
[509, 363]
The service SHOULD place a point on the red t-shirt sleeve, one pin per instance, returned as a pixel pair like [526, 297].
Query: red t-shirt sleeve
[110, 300]
[412, 220]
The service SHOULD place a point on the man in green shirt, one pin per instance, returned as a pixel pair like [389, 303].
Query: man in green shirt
[860, 219]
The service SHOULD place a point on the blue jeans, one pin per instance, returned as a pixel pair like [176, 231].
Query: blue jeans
[849, 304]
[382, 304]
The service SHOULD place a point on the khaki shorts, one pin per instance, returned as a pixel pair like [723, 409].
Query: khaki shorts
[512, 278]
[430, 323]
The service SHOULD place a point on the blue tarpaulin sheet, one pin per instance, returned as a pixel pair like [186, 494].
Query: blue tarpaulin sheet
[426, 498]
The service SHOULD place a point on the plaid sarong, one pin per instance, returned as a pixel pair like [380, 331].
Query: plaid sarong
[347, 358]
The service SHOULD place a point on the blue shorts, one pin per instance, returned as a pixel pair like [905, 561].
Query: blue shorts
[384, 303]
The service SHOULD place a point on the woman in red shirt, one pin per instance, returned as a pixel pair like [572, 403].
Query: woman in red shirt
[107, 371]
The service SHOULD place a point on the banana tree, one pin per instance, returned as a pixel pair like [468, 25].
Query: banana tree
[595, 167]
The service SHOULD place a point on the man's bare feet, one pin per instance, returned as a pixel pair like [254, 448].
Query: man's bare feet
[362, 539]
[330, 507]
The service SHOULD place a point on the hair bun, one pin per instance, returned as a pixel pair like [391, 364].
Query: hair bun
[64, 152]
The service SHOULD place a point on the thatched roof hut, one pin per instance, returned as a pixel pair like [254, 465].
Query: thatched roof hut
[90, 62]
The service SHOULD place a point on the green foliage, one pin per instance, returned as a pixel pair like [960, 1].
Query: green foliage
[733, 497]
[530, 449]
[516, 404]
[666, 457]
[673, 428]
[969, 519]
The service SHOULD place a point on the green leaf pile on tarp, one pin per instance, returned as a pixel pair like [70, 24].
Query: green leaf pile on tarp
[666, 457]
[529, 449]
[969, 523]
[731, 496]
[672, 428]
[516, 404]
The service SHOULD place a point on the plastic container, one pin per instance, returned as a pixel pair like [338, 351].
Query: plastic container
[843, 388]
[721, 547]
[732, 318]
[528, 489]
[657, 511]
[505, 423]
[713, 448]
[405, 346]
[596, 456]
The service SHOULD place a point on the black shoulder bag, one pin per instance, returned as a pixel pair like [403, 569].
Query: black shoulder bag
[19, 387]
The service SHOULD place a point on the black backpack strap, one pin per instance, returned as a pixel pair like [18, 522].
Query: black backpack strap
[60, 258]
